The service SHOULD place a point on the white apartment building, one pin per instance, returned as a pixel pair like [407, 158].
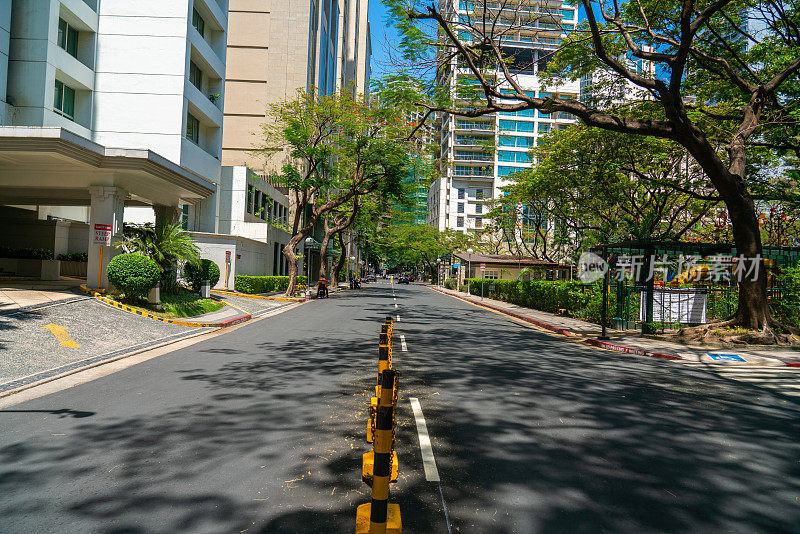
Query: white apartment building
[478, 154]
[111, 104]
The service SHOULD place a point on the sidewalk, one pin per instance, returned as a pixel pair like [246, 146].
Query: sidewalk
[631, 343]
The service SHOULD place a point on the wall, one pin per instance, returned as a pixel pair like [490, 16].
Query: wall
[5, 35]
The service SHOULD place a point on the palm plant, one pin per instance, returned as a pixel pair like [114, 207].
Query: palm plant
[166, 244]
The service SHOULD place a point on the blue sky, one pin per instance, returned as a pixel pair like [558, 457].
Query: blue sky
[381, 38]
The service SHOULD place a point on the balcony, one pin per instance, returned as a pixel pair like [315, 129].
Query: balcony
[472, 125]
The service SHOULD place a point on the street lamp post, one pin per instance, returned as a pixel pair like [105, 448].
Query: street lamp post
[469, 266]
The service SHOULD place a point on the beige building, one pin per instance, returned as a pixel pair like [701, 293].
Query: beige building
[277, 48]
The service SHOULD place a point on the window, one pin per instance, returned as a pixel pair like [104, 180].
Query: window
[505, 155]
[478, 222]
[478, 208]
[192, 128]
[522, 157]
[460, 222]
[479, 194]
[264, 206]
[250, 190]
[516, 126]
[195, 75]
[544, 127]
[461, 193]
[568, 14]
[64, 100]
[198, 23]
[507, 140]
[491, 275]
[460, 207]
[68, 38]
[505, 171]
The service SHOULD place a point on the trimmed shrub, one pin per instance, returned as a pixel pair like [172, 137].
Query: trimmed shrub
[262, 284]
[26, 253]
[450, 283]
[133, 274]
[575, 298]
[74, 256]
[195, 273]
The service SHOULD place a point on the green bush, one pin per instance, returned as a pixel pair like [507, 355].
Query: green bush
[74, 256]
[450, 283]
[576, 299]
[787, 307]
[262, 284]
[26, 253]
[133, 274]
[195, 273]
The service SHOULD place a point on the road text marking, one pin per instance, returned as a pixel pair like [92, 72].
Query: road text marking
[61, 335]
[398, 318]
[403, 343]
[428, 461]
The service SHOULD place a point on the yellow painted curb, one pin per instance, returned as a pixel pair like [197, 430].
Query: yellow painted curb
[116, 304]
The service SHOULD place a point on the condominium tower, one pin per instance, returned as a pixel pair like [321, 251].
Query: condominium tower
[478, 154]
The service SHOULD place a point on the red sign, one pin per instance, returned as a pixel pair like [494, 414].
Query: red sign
[483, 266]
[102, 234]
[227, 256]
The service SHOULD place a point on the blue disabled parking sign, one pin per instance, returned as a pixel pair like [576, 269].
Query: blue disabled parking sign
[725, 357]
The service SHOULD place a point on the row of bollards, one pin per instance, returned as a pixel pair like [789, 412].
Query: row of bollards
[379, 467]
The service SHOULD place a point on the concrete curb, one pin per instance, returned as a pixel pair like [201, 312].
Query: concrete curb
[220, 324]
[616, 347]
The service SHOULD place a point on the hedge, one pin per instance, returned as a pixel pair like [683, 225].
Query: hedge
[262, 284]
[74, 256]
[133, 274]
[26, 253]
[195, 273]
[575, 298]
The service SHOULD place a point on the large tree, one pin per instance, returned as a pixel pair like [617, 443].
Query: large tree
[335, 149]
[724, 72]
[595, 186]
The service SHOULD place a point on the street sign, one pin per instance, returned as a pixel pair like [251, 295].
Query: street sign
[483, 266]
[456, 265]
[102, 234]
[725, 357]
[227, 256]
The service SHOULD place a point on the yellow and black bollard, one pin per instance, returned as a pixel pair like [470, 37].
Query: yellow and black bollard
[379, 516]
[389, 382]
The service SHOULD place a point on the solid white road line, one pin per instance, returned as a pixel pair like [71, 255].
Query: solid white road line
[395, 305]
[398, 318]
[428, 461]
[403, 343]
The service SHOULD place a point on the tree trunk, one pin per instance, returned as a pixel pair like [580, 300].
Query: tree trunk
[337, 269]
[323, 252]
[291, 260]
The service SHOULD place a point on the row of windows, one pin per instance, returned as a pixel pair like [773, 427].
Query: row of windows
[460, 208]
[462, 193]
[478, 222]
[260, 205]
[513, 157]
[519, 142]
[466, 170]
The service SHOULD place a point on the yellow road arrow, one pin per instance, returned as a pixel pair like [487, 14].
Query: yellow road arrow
[61, 335]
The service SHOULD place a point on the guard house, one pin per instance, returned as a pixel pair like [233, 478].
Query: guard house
[509, 267]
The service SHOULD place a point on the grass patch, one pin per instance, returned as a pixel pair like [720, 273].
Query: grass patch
[174, 306]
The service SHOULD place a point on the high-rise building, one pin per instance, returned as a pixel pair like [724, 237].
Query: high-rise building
[278, 48]
[106, 105]
[478, 154]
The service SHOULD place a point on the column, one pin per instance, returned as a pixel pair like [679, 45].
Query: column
[106, 211]
[167, 214]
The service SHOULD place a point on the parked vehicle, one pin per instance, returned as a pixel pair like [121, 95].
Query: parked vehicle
[404, 279]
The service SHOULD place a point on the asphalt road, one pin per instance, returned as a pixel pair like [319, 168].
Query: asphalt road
[261, 430]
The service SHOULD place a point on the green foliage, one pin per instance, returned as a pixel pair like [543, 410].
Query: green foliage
[133, 274]
[166, 244]
[450, 283]
[195, 273]
[74, 256]
[262, 284]
[576, 299]
[787, 308]
[26, 253]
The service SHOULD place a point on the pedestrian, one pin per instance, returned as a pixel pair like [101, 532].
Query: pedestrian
[322, 287]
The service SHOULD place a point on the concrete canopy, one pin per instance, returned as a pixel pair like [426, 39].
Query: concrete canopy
[52, 166]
